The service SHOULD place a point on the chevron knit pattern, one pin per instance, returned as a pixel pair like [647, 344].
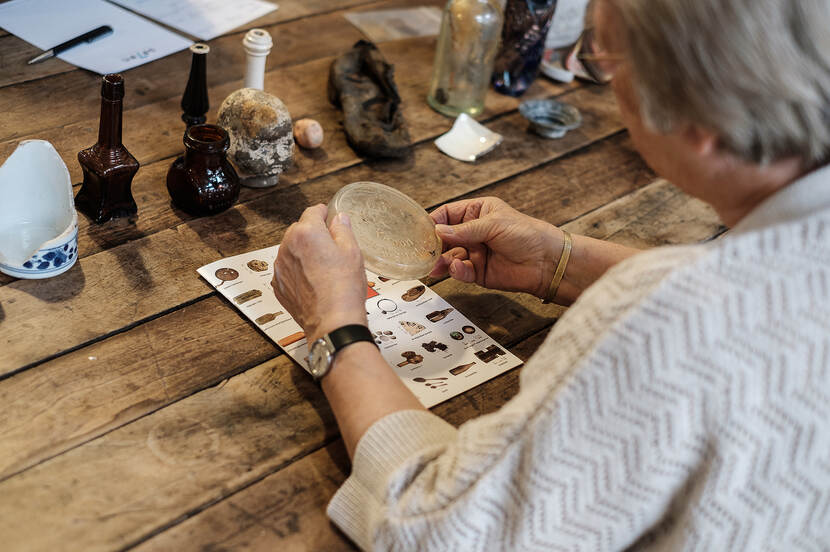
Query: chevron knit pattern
[683, 403]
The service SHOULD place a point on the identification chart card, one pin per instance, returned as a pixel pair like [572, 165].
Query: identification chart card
[436, 350]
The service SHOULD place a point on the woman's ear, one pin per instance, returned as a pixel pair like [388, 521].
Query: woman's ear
[703, 141]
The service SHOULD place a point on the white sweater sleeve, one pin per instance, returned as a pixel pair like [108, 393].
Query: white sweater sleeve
[588, 456]
[557, 467]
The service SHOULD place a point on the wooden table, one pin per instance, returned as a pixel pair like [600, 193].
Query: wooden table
[138, 409]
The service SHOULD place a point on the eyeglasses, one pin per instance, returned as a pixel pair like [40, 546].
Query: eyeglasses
[589, 61]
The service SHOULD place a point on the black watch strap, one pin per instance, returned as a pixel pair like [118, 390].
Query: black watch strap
[346, 335]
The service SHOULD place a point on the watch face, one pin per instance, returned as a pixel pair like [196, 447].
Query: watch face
[319, 358]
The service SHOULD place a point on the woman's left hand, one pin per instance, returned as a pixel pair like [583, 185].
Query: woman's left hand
[319, 276]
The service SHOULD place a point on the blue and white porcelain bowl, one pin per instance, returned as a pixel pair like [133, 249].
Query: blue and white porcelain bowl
[38, 221]
[54, 257]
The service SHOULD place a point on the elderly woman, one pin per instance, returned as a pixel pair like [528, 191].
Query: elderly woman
[683, 400]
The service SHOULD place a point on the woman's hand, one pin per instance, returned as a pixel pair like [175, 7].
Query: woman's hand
[319, 276]
[488, 242]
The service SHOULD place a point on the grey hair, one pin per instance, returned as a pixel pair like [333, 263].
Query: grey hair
[755, 72]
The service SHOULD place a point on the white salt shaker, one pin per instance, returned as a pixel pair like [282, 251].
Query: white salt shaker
[257, 44]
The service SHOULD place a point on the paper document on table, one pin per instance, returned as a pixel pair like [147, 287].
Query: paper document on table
[204, 19]
[384, 25]
[134, 41]
[436, 350]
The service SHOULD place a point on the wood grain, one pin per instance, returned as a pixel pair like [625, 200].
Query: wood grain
[630, 220]
[140, 477]
[14, 55]
[287, 510]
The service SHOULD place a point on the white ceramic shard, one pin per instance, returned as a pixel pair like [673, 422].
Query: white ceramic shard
[467, 140]
[38, 222]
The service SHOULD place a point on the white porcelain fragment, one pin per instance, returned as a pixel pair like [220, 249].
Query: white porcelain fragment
[38, 222]
[467, 140]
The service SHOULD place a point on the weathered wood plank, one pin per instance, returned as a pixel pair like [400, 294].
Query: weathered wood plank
[71, 399]
[126, 283]
[287, 510]
[79, 91]
[252, 225]
[14, 55]
[632, 220]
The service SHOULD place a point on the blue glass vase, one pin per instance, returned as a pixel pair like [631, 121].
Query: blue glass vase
[526, 22]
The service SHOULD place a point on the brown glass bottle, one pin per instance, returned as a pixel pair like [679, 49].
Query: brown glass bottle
[202, 181]
[108, 167]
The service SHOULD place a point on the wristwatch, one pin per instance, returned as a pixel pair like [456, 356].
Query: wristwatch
[321, 353]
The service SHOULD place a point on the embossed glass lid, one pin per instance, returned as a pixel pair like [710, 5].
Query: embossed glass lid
[395, 234]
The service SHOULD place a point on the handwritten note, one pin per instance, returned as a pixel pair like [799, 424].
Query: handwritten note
[134, 41]
[204, 19]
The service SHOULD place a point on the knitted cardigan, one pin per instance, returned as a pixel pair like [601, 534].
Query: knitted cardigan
[683, 402]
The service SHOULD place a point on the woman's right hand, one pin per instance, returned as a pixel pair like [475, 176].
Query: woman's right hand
[488, 242]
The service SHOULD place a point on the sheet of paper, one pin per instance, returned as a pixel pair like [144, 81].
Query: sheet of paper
[436, 350]
[134, 41]
[384, 25]
[204, 19]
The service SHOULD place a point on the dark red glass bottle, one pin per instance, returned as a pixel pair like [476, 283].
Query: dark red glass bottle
[108, 167]
[202, 181]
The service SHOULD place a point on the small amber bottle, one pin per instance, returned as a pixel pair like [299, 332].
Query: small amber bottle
[202, 181]
[108, 167]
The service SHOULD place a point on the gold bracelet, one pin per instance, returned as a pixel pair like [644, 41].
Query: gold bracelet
[560, 267]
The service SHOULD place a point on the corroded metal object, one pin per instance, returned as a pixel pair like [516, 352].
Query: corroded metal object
[550, 118]
[261, 133]
[108, 167]
[195, 102]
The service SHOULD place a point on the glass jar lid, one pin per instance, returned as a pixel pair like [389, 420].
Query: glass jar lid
[395, 234]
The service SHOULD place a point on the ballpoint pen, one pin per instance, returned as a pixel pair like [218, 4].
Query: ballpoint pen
[94, 34]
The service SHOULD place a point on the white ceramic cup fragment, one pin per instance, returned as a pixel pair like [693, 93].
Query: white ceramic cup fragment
[38, 221]
[467, 140]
